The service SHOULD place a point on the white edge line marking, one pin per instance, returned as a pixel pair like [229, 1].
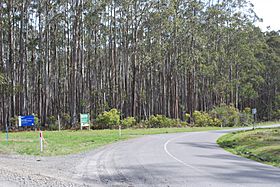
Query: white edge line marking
[190, 166]
[172, 156]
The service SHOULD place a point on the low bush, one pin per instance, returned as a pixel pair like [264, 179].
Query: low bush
[246, 117]
[161, 121]
[36, 120]
[110, 119]
[52, 123]
[157, 121]
[229, 115]
[184, 124]
[51, 120]
[128, 122]
[276, 115]
[65, 120]
[202, 119]
[14, 121]
[187, 117]
[215, 122]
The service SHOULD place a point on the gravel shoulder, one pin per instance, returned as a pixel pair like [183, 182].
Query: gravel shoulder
[17, 170]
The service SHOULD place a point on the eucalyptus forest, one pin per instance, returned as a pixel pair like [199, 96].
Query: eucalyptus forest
[142, 57]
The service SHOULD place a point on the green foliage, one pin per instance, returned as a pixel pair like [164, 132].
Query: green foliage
[248, 91]
[160, 121]
[2, 79]
[184, 124]
[14, 121]
[52, 123]
[53, 127]
[65, 120]
[277, 101]
[261, 145]
[175, 123]
[69, 142]
[109, 119]
[128, 122]
[36, 119]
[215, 122]
[209, 58]
[157, 121]
[220, 56]
[276, 115]
[229, 115]
[187, 117]
[246, 117]
[202, 119]
[51, 120]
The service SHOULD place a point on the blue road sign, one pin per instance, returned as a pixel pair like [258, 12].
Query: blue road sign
[26, 121]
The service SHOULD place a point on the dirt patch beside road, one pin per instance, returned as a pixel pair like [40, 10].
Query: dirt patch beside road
[38, 171]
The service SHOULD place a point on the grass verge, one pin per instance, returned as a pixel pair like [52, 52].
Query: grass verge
[262, 145]
[69, 142]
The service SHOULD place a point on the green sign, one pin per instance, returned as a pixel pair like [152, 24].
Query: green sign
[85, 120]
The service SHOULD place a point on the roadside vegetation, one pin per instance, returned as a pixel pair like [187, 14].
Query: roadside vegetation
[220, 116]
[142, 57]
[69, 142]
[262, 145]
[105, 130]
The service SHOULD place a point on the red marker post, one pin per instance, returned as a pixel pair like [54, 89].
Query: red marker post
[41, 141]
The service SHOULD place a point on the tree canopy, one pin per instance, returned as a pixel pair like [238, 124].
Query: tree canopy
[144, 58]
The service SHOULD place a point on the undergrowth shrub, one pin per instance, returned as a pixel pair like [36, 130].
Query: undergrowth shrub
[128, 122]
[276, 115]
[246, 117]
[52, 123]
[202, 119]
[187, 117]
[228, 114]
[110, 119]
[161, 121]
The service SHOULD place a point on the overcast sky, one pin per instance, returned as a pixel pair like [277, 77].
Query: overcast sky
[269, 10]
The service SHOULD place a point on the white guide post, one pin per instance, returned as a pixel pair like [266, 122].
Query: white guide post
[41, 141]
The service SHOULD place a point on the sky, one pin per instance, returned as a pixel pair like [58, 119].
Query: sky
[269, 11]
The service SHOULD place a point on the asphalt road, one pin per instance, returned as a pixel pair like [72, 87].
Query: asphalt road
[185, 159]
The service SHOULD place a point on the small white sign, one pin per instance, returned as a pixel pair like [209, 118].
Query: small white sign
[254, 111]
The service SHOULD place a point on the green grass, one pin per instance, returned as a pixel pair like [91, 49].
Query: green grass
[262, 145]
[69, 142]
[267, 123]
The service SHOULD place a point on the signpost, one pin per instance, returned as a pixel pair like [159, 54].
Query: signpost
[120, 130]
[41, 141]
[26, 121]
[7, 133]
[85, 121]
[254, 112]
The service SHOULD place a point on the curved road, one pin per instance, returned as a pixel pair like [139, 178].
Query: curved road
[185, 159]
